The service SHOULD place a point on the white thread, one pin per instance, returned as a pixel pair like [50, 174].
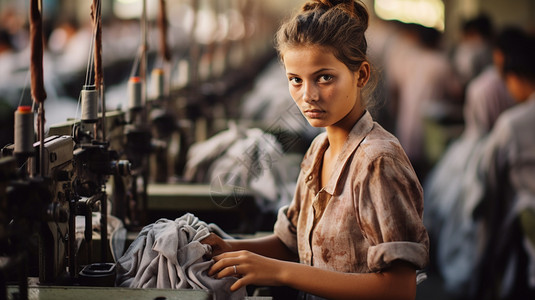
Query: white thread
[136, 62]
[90, 60]
[26, 83]
[89, 69]
[158, 83]
[134, 93]
[24, 132]
[89, 104]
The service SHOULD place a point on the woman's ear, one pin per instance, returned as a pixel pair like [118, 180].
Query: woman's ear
[363, 74]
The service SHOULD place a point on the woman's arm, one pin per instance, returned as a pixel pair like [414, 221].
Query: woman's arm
[397, 282]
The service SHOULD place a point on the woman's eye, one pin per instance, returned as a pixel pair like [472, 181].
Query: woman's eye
[325, 78]
[295, 80]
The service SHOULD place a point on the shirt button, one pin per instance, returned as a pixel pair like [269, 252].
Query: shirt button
[310, 177]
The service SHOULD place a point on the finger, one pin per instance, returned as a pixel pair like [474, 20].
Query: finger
[225, 255]
[221, 264]
[238, 284]
[214, 269]
[227, 272]
[228, 254]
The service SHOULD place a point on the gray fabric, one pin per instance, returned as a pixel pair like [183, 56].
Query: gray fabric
[168, 254]
[245, 158]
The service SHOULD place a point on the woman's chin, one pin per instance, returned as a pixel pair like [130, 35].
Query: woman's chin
[317, 123]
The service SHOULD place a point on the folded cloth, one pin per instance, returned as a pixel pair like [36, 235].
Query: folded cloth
[168, 254]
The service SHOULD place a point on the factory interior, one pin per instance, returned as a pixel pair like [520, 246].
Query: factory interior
[134, 113]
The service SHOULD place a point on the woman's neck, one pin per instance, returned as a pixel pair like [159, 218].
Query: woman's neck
[337, 133]
[337, 137]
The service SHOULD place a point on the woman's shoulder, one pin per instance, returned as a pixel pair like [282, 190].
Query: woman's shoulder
[380, 142]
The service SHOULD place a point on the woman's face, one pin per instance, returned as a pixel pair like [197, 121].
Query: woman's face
[324, 89]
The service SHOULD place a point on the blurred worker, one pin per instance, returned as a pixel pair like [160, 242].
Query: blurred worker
[474, 51]
[70, 42]
[485, 249]
[420, 78]
[486, 98]
[355, 223]
[6, 107]
[507, 174]
[61, 35]
[14, 21]
[7, 57]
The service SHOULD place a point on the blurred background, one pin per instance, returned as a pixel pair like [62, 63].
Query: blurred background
[229, 34]
[222, 112]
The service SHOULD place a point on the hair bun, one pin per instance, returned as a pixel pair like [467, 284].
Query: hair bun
[332, 3]
[354, 8]
[325, 4]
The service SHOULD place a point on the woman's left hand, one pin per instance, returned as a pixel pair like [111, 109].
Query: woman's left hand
[249, 268]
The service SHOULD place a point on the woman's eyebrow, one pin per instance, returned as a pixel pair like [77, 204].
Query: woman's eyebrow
[323, 70]
[316, 72]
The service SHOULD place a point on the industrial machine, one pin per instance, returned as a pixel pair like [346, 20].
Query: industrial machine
[120, 163]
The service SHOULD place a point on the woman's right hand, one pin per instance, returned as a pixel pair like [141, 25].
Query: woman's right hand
[218, 245]
[249, 268]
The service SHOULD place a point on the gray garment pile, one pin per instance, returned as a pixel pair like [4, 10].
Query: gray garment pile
[168, 254]
[249, 159]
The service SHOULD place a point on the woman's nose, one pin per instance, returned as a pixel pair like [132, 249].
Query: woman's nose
[310, 93]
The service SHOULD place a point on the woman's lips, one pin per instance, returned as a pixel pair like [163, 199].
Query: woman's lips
[314, 113]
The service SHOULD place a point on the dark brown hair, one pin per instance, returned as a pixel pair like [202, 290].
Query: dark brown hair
[338, 25]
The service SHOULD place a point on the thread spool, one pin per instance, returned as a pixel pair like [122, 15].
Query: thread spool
[183, 72]
[89, 96]
[134, 93]
[158, 83]
[24, 132]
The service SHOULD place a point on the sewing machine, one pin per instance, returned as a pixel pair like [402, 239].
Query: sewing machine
[85, 163]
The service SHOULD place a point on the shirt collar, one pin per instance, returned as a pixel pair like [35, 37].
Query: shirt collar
[311, 166]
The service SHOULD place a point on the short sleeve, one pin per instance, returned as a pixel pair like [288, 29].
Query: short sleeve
[285, 230]
[390, 211]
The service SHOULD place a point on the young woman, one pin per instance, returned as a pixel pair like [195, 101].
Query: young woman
[355, 223]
